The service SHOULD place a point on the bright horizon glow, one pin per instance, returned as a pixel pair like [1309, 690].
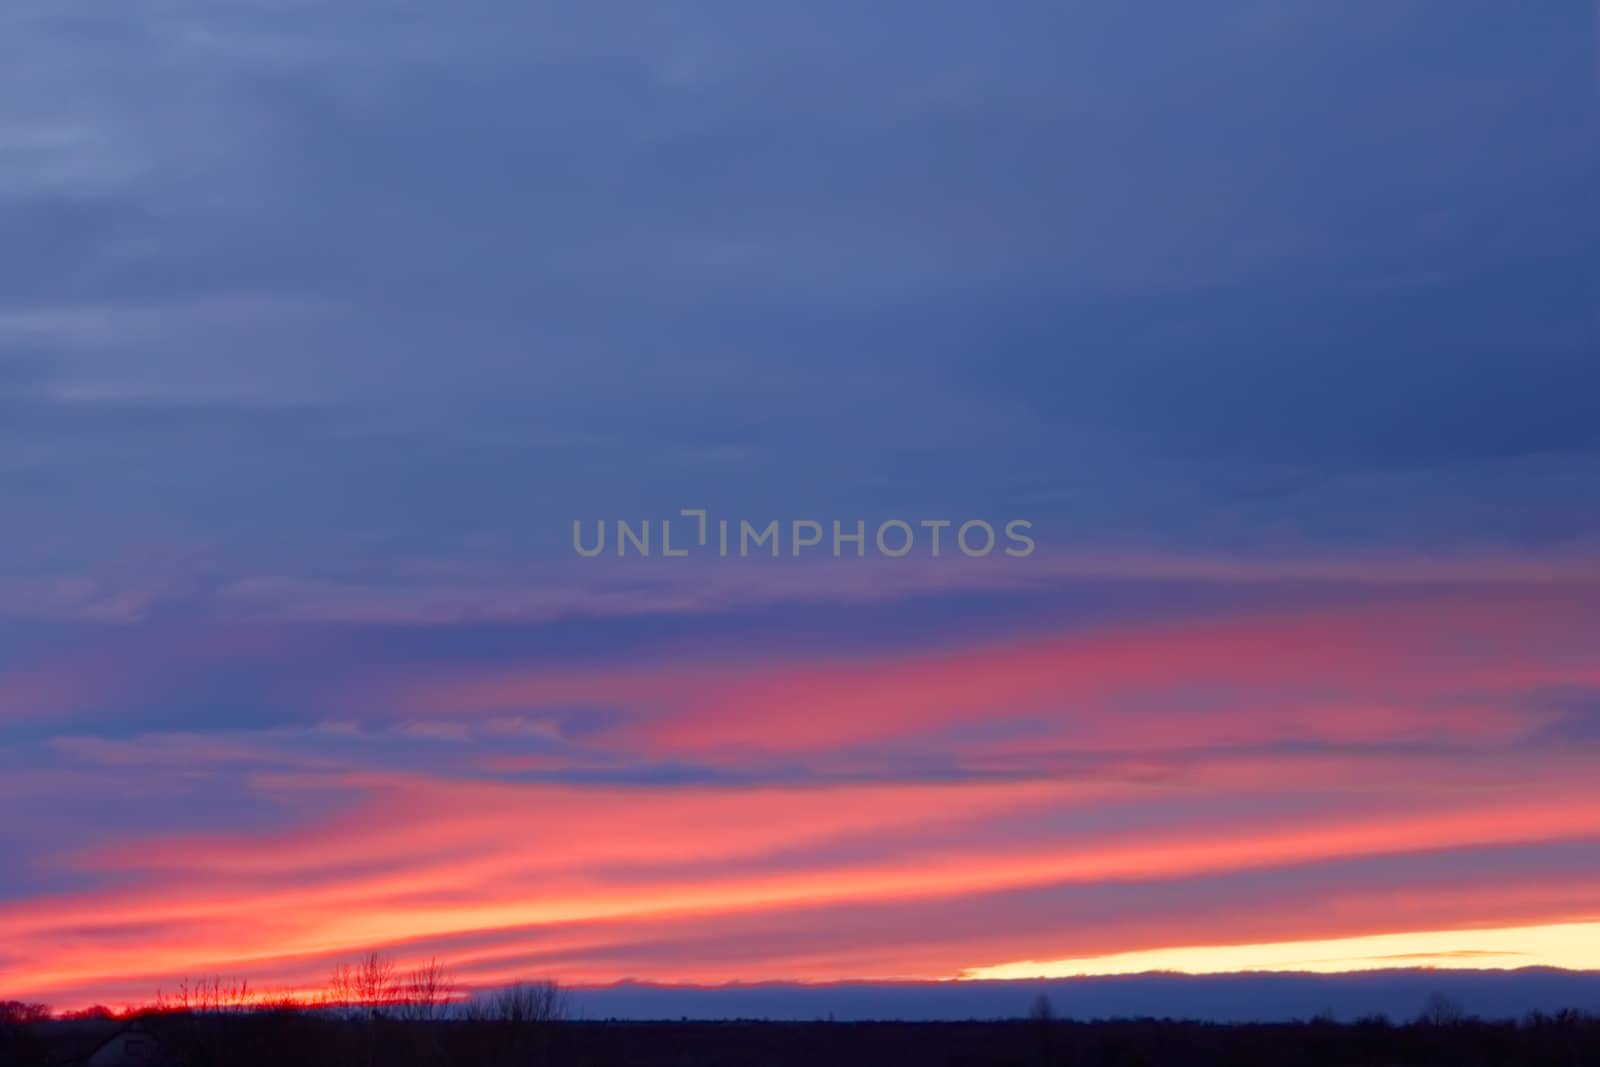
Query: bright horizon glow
[1569, 946]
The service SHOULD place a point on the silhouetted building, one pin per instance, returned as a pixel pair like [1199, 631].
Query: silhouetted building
[135, 1045]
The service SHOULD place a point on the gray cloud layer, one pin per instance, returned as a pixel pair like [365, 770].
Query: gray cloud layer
[293, 289]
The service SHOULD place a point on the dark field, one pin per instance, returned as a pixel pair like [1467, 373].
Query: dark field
[284, 1039]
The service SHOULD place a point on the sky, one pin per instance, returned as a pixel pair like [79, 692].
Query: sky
[323, 322]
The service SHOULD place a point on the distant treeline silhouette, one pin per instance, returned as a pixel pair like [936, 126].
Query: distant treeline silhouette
[372, 1014]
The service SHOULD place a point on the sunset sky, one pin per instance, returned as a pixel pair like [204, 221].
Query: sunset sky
[323, 321]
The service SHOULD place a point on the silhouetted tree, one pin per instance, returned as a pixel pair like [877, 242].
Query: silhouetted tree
[529, 1002]
[1440, 1010]
[205, 996]
[97, 1011]
[1043, 1015]
[518, 1020]
[18, 1013]
[18, 1040]
[425, 992]
[369, 987]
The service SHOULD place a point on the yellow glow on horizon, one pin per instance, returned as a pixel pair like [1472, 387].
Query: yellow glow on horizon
[1572, 946]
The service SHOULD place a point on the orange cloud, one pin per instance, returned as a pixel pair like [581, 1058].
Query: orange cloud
[428, 860]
